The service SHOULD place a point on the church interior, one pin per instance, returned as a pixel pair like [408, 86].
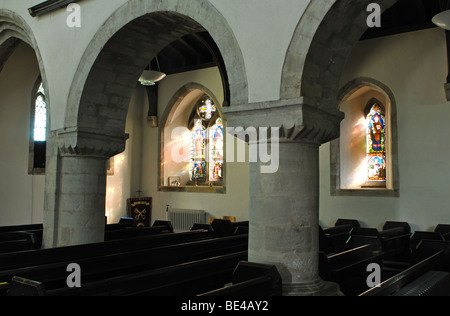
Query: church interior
[103, 166]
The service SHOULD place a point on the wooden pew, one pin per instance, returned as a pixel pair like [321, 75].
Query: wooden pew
[251, 279]
[428, 247]
[110, 265]
[21, 228]
[444, 230]
[187, 279]
[15, 260]
[222, 227]
[27, 237]
[240, 227]
[124, 222]
[346, 221]
[428, 275]
[419, 280]
[158, 227]
[334, 239]
[349, 268]
[393, 240]
[21, 259]
[20, 241]
[418, 236]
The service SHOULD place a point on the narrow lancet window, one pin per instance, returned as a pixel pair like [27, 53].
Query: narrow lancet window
[376, 144]
[40, 116]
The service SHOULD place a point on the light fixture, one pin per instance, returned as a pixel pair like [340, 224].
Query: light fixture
[443, 19]
[151, 77]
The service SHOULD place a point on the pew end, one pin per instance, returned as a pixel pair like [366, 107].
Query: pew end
[252, 279]
[344, 221]
[25, 287]
[167, 225]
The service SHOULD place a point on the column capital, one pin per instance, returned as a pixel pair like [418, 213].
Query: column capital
[85, 142]
[297, 121]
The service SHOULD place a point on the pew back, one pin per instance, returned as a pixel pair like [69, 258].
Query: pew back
[191, 278]
[111, 265]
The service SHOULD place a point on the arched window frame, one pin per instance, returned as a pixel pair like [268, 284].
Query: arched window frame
[37, 148]
[165, 178]
[393, 189]
[205, 162]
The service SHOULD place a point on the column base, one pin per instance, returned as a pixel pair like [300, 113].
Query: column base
[318, 288]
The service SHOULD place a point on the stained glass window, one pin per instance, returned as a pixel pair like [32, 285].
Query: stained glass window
[206, 161]
[38, 125]
[376, 144]
[198, 151]
[207, 109]
[216, 151]
[40, 116]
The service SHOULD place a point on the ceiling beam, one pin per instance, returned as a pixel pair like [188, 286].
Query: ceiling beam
[49, 6]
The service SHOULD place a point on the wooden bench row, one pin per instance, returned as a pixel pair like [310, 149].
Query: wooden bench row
[190, 278]
[429, 274]
[131, 251]
[206, 277]
[188, 268]
[29, 237]
[393, 240]
[350, 249]
[349, 268]
[106, 263]
[251, 279]
[210, 266]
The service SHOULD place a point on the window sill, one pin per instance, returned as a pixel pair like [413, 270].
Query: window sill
[194, 189]
[37, 172]
[381, 192]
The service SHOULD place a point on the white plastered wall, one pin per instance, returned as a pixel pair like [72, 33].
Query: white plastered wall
[414, 66]
[62, 47]
[21, 194]
[138, 167]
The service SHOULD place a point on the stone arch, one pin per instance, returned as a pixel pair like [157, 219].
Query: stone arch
[14, 29]
[124, 45]
[356, 83]
[318, 52]
[183, 92]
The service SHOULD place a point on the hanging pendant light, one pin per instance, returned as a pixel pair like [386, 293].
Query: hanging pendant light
[443, 19]
[151, 77]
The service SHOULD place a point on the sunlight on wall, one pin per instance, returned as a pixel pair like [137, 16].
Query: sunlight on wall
[359, 173]
[114, 191]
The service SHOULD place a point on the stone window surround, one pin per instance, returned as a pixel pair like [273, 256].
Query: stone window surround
[335, 189]
[173, 103]
[31, 169]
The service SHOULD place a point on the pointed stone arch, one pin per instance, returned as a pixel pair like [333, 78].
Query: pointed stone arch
[13, 29]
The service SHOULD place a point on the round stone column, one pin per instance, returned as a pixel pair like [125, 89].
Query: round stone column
[284, 202]
[284, 218]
